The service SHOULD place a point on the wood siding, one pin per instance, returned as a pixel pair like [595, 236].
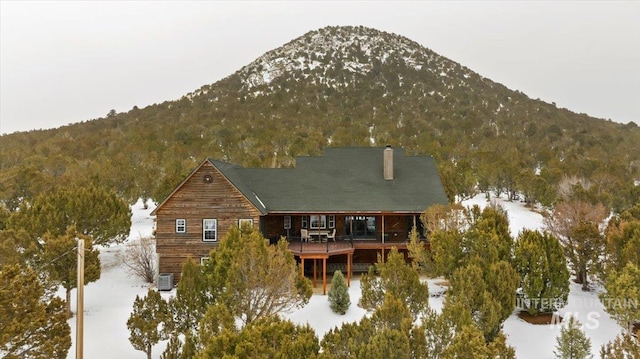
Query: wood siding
[198, 198]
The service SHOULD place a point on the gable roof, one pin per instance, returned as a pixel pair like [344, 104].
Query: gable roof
[348, 180]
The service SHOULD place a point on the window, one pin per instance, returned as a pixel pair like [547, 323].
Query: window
[332, 221]
[287, 222]
[304, 221]
[360, 226]
[209, 230]
[181, 225]
[245, 222]
[318, 221]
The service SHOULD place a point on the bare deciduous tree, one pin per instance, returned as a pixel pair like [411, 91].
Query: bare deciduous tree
[140, 258]
[577, 225]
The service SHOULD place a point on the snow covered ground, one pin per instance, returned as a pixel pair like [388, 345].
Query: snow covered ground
[109, 301]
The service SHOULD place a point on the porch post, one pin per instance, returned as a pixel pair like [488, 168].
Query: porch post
[383, 229]
[314, 271]
[349, 259]
[324, 276]
[351, 227]
[302, 265]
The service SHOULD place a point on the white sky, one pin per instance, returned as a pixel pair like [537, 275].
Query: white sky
[63, 62]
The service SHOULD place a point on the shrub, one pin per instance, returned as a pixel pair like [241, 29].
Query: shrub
[339, 294]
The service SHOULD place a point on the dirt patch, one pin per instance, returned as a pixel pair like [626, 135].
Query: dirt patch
[540, 319]
[443, 283]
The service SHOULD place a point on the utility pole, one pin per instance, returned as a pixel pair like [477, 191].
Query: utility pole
[80, 302]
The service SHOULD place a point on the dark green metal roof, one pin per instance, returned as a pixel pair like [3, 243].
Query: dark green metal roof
[346, 180]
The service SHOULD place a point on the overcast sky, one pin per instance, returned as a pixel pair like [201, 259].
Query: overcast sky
[66, 62]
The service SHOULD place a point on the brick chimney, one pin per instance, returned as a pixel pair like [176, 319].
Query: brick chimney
[388, 163]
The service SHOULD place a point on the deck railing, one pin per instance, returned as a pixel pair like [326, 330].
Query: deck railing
[297, 245]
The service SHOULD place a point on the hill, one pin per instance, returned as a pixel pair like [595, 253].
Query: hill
[338, 86]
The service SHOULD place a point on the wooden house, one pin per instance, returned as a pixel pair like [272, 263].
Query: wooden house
[341, 209]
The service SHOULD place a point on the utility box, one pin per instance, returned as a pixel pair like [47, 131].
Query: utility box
[165, 281]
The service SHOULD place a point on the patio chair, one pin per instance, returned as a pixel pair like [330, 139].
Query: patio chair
[304, 235]
[332, 235]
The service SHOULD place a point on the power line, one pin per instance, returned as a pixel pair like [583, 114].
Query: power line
[39, 268]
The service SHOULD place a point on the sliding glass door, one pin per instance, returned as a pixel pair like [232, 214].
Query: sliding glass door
[360, 226]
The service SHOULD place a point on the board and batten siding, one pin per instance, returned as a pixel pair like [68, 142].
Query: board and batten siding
[205, 194]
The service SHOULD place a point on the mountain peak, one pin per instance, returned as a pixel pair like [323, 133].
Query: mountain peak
[329, 55]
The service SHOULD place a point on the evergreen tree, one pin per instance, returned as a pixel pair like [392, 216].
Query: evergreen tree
[31, 327]
[623, 295]
[467, 343]
[624, 346]
[469, 296]
[339, 294]
[266, 337]
[192, 298]
[572, 343]
[60, 254]
[18, 247]
[483, 234]
[387, 333]
[499, 348]
[173, 349]
[396, 278]
[189, 347]
[92, 210]
[253, 278]
[438, 331]
[446, 251]
[540, 262]
[623, 239]
[502, 282]
[218, 331]
[149, 322]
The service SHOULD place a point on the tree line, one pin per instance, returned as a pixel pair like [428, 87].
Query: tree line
[483, 136]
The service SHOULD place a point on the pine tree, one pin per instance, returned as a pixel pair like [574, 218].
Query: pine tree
[469, 297]
[398, 279]
[189, 348]
[623, 239]
[266, 337]
[31, 327]
[173, 349]
[483, 234]
[149, 322]
[339, 294]
[438, 332]
[94, 211]
[388, 333]
[624, 346]
[540, 262]
[218, 331]
[467, 343]
[572, 343]
[253, 278]
[18, 247]
[61, 255]
[190, 303]
[623, 295]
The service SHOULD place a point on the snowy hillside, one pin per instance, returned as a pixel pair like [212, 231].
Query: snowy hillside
[340, 57]
[108, 303]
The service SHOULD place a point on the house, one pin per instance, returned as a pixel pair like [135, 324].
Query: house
[341, 209]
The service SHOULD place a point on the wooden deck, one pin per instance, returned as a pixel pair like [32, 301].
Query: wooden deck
[338, 247]
[320, 249]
